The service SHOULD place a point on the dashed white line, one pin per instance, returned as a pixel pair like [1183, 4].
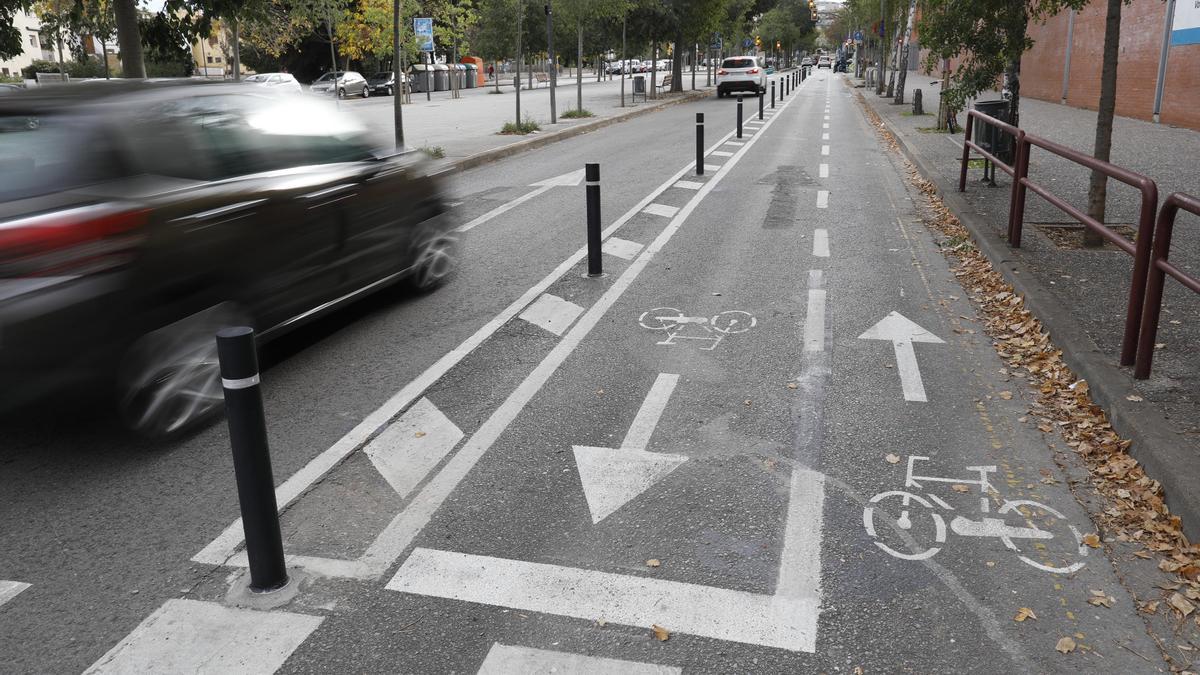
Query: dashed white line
[507, 659]
[661, 210]
[821, 243]
[552, 313]
[822, 199]
[737, 143]
[825, 125]
[689, 185]
[824, 149]
[824, 171]
[825, 136]
[621, 248]
[814, 320]
[721, 153]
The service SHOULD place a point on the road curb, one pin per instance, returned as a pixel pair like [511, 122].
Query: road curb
[494, 154]
[1166, 457]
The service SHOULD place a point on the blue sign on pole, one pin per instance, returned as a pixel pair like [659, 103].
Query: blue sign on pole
[747, 43]
[423, 27]
[858, 36]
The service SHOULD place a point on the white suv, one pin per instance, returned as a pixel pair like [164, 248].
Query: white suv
[741, 73]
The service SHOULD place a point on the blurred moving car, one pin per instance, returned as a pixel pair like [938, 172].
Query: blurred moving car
[344, 83]
[384, 82]
[824, 62]
[10, 88]
[137, 219]
[741, 73]
[806, 61]
[282, 82]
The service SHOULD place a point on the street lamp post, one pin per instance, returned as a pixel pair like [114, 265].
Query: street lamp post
[517, 80]
[397, 73]
[553, 69]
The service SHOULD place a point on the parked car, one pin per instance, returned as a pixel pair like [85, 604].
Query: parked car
[282, 82]
[806, 61]
[384, 82]
[343, 83]
[741, 73]
[137, 219]
[664, 64]
[824, 62]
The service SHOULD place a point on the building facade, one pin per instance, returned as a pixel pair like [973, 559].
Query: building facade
[36, 46]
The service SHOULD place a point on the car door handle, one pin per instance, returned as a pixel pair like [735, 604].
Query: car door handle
[330, 195]
[203, 219]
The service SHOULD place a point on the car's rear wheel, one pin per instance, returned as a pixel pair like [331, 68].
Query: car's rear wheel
[390, 92]
[341, 93]
[366, 91]
[170, 380]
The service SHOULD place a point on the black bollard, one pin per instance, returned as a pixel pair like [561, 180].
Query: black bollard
[699, 144]
[760, 104]
[772, 94]
[591, 178]
[739, 121]
[251, 458]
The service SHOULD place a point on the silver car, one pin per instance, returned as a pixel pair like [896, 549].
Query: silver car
[342, 82]
[282, 82]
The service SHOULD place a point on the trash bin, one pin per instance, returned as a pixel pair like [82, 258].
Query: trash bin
[422, 79]
[639, 84]
[460, 71]
[441, 77]
[990, 137]
[472, 75]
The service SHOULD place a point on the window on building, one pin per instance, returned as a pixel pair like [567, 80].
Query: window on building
[210, 59]
[5, 71]
[33, 41]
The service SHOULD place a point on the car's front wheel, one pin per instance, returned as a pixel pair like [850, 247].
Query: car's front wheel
[434, 257]
[341, 93]
[366, 92]
[389, 91]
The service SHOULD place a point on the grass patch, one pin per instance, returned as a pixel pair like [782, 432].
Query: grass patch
[526, 126]
[911, 114]
[435, 152]
[577, 114]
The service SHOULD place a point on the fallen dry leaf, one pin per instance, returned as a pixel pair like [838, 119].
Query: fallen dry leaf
[747, 401]
[792, 385]
[1006, 395]
[891, 458]
[661, 634]
[601, 623]
[1101, 599]
[420, 434]
[1150, 607]
[1134, 397]
[1144, 554]
[1024, 613]
[958, 487]
[858, 670]
[1181, 604]
[1065, 645]
[1092, 540]
[653, 562]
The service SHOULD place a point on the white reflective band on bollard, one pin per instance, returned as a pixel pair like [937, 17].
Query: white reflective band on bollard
[243, 383]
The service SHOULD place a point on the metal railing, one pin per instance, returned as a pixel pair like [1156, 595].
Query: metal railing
[1018, 135]
[1139, 249]
[1159, 268]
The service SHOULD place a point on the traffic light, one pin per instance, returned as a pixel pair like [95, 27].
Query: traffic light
[757, 41]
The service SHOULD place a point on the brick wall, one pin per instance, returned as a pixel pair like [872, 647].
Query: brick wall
[1137, 70]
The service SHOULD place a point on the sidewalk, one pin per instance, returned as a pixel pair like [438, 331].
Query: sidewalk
[466, 127]
[1081, 294]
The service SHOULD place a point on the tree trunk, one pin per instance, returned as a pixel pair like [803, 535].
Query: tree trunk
[1098, 189]
[653, 69]
[900, 84]
[130, 40]
[677, 64]
[104, 51]
[237, 54]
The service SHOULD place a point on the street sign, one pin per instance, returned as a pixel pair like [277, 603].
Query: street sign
[423, 27]
[747, 42]
[858, 36]
[715, 45]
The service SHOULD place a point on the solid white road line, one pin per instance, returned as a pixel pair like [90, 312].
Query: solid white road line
[821, 243]
[552, 313]
[661, 210]
[188, 636]
[823, 171]
[413, 445]
[507, 660]
[689, 185]
[822, 199]
[621, 248]
[651, 410]
[824, 149]
[783, 622]
[10, 589]
[814, 319]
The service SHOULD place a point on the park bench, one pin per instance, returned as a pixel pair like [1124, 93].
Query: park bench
[541, 78]
[665, 84]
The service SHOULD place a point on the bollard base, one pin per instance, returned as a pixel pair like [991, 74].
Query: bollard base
[241, 595]
[587, 275]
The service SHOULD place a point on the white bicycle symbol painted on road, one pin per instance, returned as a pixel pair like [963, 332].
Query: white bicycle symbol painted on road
[710, 331]
[928, 528]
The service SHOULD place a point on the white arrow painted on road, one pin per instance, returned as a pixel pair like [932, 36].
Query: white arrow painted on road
[10, 589]
[613, 476]
[903, 333]
[566, 180]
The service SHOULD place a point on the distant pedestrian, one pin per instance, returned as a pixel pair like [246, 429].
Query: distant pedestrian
[491, 71]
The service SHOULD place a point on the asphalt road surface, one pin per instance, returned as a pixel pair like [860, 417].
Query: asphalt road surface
[682, 465]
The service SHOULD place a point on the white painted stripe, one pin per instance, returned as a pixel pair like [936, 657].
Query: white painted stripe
[910, 373]
[661, 210]
[721, 153]
[509, 660]
[712, 167]
[825, 125]
[503, 208]
[413, 445]
[824, 137]
[735, 143]
[611, 477]
[689, 185]
[821, 243]
[651, 410]
[814, 321]
[552, 313]
[827, 118]
[784, 622]
[822, 199]
[621, 248]
[823, 171]
[800, 562]
[10, 590]
[188, 636]
[824, 149]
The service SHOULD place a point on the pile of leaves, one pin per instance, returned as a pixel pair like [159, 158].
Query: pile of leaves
[1136, 512]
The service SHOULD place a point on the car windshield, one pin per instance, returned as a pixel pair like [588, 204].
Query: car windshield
[40, 155]
[261, 77]
[738, 63]
[381, 76]
[328, 77]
